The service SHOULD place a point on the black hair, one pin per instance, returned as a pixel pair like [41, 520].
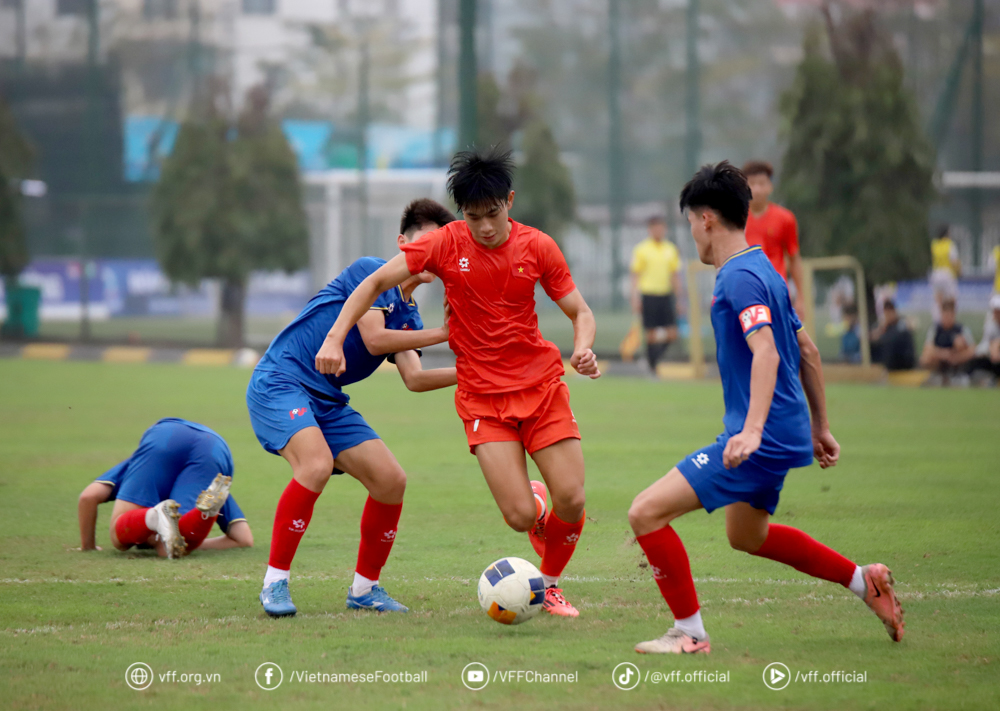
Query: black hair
[888, 304]
[850, 309]
[943, 230]
[480, 178]
[723, 188]
[758, 167]
[424, 211]
[656, 219]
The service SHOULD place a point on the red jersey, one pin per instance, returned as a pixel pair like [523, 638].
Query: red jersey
[777, 232]
[493, 326]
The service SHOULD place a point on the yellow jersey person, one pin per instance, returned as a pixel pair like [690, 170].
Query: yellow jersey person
[656, 267]
[945, 269]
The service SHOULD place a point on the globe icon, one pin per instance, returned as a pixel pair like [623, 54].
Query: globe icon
[139, 676]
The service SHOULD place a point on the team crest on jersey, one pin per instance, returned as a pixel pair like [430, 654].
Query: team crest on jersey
[463, 264]
[753, 316]
[391, 307]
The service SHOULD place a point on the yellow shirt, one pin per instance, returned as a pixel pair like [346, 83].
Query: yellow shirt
[655, 263]
[996, 263]
[942, 252]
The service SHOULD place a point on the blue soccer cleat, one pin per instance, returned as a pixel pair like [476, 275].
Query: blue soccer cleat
[277, 601]
[376, 599]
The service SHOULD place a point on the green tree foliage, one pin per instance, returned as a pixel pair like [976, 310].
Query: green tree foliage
[15, 163]
[858, 168]
[545, 199]
[228, 203]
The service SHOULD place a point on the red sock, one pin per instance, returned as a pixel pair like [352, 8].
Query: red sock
[295, 510]
[560, 543]
[807, 555]
[671, 570]
[378, 531]
[131, 528]
[194, 527]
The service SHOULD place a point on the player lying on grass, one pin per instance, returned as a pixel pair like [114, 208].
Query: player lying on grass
[770, 369]
[510, 392]
[304, 415]
[168, 494]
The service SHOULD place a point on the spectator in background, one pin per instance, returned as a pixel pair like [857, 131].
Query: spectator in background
[949, 347]
[850, 341]
[945, 270]
[892, 340]
[774, 228]
[985, 367]
[656, 282]
[993, 264]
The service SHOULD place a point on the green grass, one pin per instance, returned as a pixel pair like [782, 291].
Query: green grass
[916, 488]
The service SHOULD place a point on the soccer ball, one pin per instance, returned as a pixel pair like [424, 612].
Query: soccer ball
[511, 591]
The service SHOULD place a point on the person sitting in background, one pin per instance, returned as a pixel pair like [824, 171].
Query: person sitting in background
[985, 367]
[945, 270]
[850, 341]
[892, 340]
[948, 347]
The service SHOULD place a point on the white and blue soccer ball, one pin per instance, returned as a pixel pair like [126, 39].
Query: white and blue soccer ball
[511, 591]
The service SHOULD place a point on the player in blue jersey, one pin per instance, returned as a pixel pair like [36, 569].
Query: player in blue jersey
[305, 417]
[772, 380]
[168, 494]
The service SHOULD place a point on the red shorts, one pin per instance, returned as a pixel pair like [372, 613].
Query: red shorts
[536, 417]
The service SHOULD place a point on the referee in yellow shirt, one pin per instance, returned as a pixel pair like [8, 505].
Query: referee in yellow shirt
[656, 268]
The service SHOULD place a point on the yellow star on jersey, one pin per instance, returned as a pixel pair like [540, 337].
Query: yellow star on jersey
[520, 270]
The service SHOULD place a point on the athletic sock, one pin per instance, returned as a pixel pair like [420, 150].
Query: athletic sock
[295, 510]
[692, 626]
[378, 532]
[671, 571]
[131, 527]
[560, 543]
[362, 585]
[858, 585]
[273, 575]
[195, 527]
[550, 581]
[807, 555]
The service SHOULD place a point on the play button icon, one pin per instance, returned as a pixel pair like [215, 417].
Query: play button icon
[777, 676]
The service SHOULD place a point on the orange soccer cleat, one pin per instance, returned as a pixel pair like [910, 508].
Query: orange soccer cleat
[881, 598]
[556, 604]
[537, 533]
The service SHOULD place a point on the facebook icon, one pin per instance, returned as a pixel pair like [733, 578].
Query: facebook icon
[269, 676]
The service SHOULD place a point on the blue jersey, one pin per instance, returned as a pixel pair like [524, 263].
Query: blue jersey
[293, 352]
[749, 294]
[176, 459]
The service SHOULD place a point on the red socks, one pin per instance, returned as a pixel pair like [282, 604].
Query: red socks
[378, 532]
[295, 510]
[560, 543]
[195, 528]
[131, 529]
[807, 555]
[671, 570]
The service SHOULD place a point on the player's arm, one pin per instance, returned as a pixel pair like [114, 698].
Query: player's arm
[380, 340]
[93, 496]
[419, 380]
[238, 535]
[763, 377]
[679, 292]
[634, 291]
[795, 272]
[330, 359]
[584, 331]
[825, 447]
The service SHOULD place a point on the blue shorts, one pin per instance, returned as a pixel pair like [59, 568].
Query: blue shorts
[280, 407]
[756, 481]
[173, 461]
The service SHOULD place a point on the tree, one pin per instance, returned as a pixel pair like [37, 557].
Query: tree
[16, 157]
[858, 168]
[546, 199]
[229, 202]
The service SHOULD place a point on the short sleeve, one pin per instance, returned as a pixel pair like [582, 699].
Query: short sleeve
[638, 259]
[114, 477]
[425, 254]
[555, 276]
[748, 296]
[792, 235]
[230, 514]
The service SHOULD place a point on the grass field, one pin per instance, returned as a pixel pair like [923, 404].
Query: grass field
[917, 488]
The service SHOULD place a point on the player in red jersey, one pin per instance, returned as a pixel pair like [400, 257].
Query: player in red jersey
[510, 393]
[773, 227]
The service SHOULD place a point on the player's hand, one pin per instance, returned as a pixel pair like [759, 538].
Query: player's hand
[584, 362]
[825, 448]
[330, 359]
[740, 447]
[84, 550]
[636, 305]
[800, 305]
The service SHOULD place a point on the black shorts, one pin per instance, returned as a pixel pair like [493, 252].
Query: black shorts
[658, 311]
